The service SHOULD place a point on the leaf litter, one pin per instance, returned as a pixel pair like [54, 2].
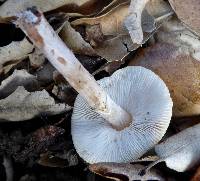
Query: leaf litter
[105, 37]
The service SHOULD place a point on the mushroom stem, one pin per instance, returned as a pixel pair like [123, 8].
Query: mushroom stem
[134, 21]
[36, 27]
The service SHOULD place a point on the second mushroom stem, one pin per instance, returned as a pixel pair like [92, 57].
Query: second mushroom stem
[36, 27]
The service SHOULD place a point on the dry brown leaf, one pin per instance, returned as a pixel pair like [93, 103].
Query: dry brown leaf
[11, 54]
[181, 152]
[23, 105]
[18, 78]
[108, 35]
[74, 41]
[111, 23]
[174, 59]
[116, 48]
[188, 12]
[11, 7]
[124, 171]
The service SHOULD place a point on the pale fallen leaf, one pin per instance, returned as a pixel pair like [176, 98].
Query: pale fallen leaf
[18, 78]
[188, 13]
[180, 152]
[124, 171]
[23, 105]
[14, 52]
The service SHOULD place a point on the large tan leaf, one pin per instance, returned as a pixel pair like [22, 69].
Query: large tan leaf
[180, 72]
[175, 58]
[23, 105]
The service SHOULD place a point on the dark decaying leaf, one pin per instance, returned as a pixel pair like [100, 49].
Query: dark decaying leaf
[67, 159]
[39, 142]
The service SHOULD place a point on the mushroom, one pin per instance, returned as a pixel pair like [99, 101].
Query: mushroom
[116, 121]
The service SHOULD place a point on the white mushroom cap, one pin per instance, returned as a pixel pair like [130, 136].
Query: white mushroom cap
[141, 93]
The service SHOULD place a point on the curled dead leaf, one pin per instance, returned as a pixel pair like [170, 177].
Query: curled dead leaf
[124, 171]
[23, 105]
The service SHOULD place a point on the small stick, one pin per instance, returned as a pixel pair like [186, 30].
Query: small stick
[36, 27]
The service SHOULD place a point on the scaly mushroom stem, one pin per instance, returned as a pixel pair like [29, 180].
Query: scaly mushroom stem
[36, 27]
